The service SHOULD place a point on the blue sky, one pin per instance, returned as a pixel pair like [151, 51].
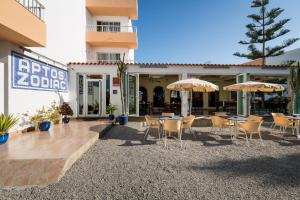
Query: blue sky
[201, 31]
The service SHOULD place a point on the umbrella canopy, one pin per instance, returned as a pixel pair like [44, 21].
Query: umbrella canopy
[252, 86]
[193, 85]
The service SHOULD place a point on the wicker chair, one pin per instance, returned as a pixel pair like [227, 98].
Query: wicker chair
[172, 126]
[274, 123]
[285, 123]
[221, 114]
[255, 118]
[167, 114]
[152, 124]
[219, 123]
[250, 127]
[187, 123]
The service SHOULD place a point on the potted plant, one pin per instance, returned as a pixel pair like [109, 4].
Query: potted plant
[42, 119]
[111, 109]
[6, 122]
[122, 68]
[54, 113]
[66, 111]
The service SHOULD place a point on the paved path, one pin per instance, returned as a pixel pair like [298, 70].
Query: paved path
[208, 167]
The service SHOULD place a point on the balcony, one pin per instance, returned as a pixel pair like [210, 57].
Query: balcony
[128, 8]
[112, 36]
[21, 22]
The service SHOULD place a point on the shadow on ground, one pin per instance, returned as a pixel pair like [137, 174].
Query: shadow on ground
[274, 171]
[131, 136]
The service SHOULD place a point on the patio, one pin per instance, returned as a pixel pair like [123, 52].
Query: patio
[42, 158]
[210, 166]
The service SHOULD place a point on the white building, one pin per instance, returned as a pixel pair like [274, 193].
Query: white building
[90, 35]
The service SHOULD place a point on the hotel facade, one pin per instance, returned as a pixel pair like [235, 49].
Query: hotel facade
[68, 52]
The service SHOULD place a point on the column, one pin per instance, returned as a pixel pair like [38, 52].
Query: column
[243, 99]
[184, 98]
[103, 96]
[2, 95]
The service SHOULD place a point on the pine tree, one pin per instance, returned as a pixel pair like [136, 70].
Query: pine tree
[264, 29]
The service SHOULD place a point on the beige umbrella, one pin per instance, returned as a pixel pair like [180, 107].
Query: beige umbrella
[253, 86]
[193, 85]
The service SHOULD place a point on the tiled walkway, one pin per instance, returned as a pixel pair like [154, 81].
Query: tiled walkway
[40, 158]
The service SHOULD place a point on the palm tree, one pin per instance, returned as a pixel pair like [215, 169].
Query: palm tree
[122, 68]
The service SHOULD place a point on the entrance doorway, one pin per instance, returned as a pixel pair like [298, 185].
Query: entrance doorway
[158, 97]
[89, 95]
[93, 97]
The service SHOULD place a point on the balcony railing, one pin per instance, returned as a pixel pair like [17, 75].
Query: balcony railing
[110, 28]
[34, 6]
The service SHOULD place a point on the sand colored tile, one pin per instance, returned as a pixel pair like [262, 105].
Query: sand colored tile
[42, 158]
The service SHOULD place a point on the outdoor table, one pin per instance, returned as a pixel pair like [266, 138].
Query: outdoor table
[295, 118]
[237, 119]
[170, 118]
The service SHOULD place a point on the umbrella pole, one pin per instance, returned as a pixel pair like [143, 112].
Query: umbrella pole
[190, 103]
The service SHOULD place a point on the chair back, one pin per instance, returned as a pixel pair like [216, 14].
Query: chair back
[252, 126]
[167, 114]
[255, 118]
[188, 120]
[172, 125]
[221, 114]
[219, 122]
[277, 114]
[148, 120]
[277, 120]
[282, 121]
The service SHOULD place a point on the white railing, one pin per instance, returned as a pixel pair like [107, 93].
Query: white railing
[34, 6]
[110, 28]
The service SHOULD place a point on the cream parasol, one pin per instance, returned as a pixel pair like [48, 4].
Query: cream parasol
[193, 85]
[253, 86]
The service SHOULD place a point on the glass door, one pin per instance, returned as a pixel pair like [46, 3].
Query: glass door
[93, 98]
[133, 94]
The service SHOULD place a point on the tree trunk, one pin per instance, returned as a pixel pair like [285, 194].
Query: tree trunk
[264, 42]
[122, 95]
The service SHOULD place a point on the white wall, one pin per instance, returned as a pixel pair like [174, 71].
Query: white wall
[2, 95]
[66, 28]
[92, 53]
[16, 100]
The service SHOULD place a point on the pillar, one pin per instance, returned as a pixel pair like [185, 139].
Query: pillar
[2, 95]
[243, 98]
[103, 96]
[184, 98]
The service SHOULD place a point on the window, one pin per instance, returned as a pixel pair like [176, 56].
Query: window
[108, 26]
[107, 90]
[108, 56]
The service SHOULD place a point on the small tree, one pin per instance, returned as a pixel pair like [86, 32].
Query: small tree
[122, 68]
[265, 29]
[295, 83]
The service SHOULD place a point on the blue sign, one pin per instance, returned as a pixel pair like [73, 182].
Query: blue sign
[31, 74]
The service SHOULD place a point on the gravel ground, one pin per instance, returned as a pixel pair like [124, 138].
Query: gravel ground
[210, 166]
